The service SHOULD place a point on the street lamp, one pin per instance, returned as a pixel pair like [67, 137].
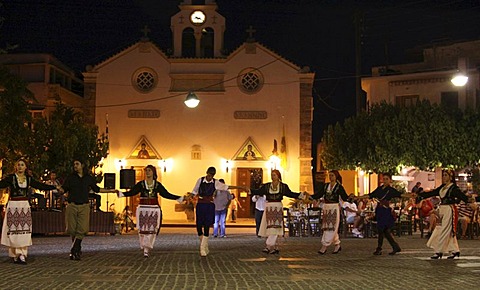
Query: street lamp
[192, 100]
[459, 80]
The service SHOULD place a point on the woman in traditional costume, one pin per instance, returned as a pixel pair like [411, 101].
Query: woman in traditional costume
[444, 236]
[149, 213]
[272, 219]
[17, 225]
[331, 193]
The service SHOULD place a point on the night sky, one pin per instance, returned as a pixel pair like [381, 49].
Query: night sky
[318, 34]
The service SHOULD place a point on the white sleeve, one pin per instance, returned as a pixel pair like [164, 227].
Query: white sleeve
[220, 186]
[196, 187]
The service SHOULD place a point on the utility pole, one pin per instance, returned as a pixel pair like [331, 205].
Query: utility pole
[358, 22]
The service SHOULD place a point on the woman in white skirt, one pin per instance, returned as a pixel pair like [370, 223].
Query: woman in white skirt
[272, 219]
[149, 213]
[17, 225]
[331, 193]
[444, 236]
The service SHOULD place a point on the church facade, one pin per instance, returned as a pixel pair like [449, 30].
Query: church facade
[254, 114]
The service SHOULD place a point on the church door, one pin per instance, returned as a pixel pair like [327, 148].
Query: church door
[251, 178]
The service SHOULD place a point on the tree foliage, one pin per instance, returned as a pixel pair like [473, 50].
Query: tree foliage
[425, 136]
[14, 115]
[65, 137]
[47, 143]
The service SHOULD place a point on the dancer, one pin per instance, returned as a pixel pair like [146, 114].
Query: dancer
[383, 213]
[17, 225]
[444, 236]
[331, 192]
[149, 213]
[205, 209]
[77, 213]
[272, 219]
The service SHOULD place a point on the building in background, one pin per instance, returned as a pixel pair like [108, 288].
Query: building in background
[431, 79]
[49, 80]
[250, 100]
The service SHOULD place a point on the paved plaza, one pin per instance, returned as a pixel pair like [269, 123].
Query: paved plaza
[236, 262]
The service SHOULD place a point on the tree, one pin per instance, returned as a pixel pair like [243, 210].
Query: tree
[65, 137]
[14, 117]
[48, 144]
[387, 137]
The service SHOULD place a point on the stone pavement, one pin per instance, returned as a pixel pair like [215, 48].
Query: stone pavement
[236, 262]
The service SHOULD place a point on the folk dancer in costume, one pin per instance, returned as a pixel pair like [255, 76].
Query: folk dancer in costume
[383, 213]
[331, 193]
[17, 225]
[77, 214]
[204, 189]
[272, 219]
[149, 213]
[444, 236]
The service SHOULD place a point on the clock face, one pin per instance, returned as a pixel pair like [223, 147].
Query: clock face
[197, 17]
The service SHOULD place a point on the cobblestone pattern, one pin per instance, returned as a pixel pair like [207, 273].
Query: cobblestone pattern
[236, 262]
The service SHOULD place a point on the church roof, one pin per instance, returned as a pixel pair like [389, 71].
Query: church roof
[267, 50]
[129, 49]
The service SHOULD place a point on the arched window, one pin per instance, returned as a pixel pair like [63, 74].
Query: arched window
[188, 42]
[206, 45]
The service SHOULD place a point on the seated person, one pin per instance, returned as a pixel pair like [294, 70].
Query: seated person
[465, 215]
[55, 194]
[352, 216]
[428, 212]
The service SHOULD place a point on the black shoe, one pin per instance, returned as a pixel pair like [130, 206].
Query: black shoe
[453, 255]
[377, 252]
[20, 260]
[274, 251]
[337, 250]
[266, 250]
[398, 250]
[437, 256]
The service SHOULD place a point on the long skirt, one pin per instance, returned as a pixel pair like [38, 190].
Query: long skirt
[148, 223]
[444, 238]
[17, 227]
[330, 224]
[272, 220]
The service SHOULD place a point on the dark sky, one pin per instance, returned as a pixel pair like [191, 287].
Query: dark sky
[318, 34]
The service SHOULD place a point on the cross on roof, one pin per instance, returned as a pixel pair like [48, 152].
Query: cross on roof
[145, 31]
[250, 32]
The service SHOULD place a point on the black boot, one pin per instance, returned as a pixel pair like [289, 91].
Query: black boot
[76, 250]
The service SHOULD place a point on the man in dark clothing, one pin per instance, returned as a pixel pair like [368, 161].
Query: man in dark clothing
[77, 214]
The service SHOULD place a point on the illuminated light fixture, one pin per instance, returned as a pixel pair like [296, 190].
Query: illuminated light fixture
[459, 80]
[120, 164]
[192, 100]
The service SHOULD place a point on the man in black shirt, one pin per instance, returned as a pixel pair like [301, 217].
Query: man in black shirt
[77, 215]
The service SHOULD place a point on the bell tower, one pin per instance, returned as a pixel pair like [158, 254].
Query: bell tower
[198, 30]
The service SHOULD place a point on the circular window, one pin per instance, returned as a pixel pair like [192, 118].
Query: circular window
[144, 80]
[250, 80]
